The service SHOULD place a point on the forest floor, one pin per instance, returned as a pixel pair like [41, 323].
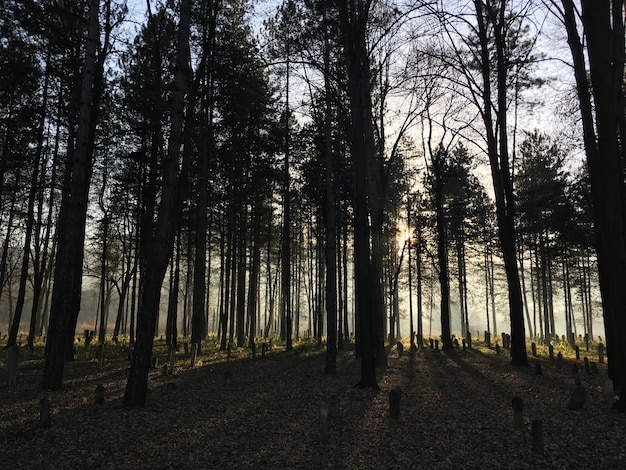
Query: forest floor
[455, 413]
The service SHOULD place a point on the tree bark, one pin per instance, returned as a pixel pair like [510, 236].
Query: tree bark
[72, 216]
[255, 268]
[241, 276]
[198, 324]
[137, 385]
[330, 218]
[497, 149]
[285, 306]
[171, 330]
[353, 16]
[604, 30]
[103, 264]
[437, 169]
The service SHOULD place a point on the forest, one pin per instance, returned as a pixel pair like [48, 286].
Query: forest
[228, 176]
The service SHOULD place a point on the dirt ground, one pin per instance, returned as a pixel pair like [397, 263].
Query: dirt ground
[455, 412]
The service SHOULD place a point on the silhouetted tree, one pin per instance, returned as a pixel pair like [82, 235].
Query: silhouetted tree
[603, 130]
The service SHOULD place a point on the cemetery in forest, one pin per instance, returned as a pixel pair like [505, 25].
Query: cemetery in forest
[433, 409]
[281, 234]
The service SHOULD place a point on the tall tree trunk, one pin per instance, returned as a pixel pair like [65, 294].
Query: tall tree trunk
[198, 327]
[442, 258]
[341, 328]
[198, 324]
[285, 306]
[255, 268]
[461, 284]
[72, 216]
[520, 250]
[171, 331]
[188, 291]
[320, 293]
[41, 254]
[29, 229]
[26, 254]
[41, 264]
[330, 218]
[497, 149]
[95, 109]
[269, 284]
[345, 281]
[353, 16]
[226, 289]
[550, 292]
[127, 277]
[548, 332]
[298, 268]
[232, 306]
[137, 385]
[604, 29]
[241, 276]
[464, 301]
[104, 260]
[413, 347]
[567, 301]
[486, 263]
[537, 296]
[492, 292]
[418, 273]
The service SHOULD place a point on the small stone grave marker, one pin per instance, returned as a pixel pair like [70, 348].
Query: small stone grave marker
[45, 418]
[537, 435]
[12, 358]
[601, 352]
[332, 405]
[518, 412]
[99, 395]
[578, 398]
[228, 378]
[324, 421]
[394, 402]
